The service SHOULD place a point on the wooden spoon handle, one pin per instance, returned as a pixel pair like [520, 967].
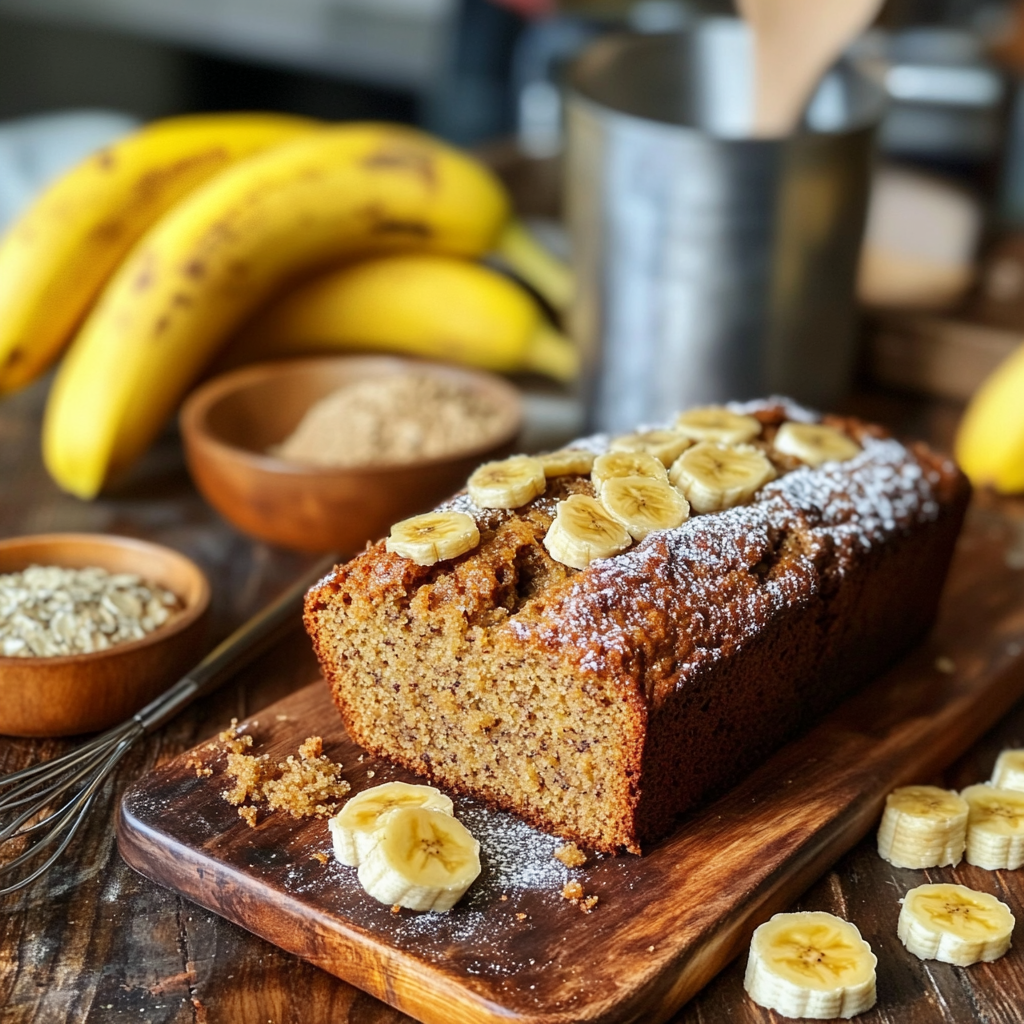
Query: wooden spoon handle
[795, 43]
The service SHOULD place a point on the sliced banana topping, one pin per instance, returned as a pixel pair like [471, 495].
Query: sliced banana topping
[567, 462]
[954, 924]
[643, 504]
[354, 828]
[923, 827]
[814, 443]
[714, 423]
[583, 530]
[509, 483]
[811, 964]
[1009, 770]
[422, 860]
[716, 476]
[665, 445]
[433, 537]
[995, 827]
[625, 464]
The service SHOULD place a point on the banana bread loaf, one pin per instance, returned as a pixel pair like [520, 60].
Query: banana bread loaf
[600, 703]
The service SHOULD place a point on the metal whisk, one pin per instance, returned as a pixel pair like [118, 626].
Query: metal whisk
[73, 780]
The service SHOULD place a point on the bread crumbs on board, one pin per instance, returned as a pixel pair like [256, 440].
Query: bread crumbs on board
[309, 786]
[571, 855]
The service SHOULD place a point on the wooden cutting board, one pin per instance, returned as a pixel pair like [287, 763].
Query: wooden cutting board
[514, 949]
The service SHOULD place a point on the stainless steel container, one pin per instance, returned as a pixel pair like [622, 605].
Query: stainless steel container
[710, 266]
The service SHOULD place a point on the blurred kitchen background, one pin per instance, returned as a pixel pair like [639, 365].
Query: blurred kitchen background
[942, 279]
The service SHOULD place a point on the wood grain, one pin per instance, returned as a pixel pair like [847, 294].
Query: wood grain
[666, 923]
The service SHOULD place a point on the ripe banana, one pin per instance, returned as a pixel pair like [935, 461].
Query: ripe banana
[715, 476]
[815, 443]
[990, 440]
[56, 258]
[422, 859]
[337, 193]
[613, 464]
[509, 483]
[1009, 770]
[713, 423]
[567, 462]
[643, 505]
[810, 964]
[995, 827]
[923, 827]
[582, 531]
[433, 537]
[354, 829]
[664, 445]
[954, 924]
[422, 304]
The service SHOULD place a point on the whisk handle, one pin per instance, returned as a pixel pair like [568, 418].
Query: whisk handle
[249, 640]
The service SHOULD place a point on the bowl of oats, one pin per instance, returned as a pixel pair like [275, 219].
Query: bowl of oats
[326, 453]
[92, 627]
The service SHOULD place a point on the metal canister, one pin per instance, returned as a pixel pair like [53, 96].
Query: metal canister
[711, 266]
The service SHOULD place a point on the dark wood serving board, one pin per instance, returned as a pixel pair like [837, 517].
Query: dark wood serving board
[514, 949]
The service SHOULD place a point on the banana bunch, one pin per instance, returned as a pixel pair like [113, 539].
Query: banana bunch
[990, 440]
[57, 257]
[147, 258]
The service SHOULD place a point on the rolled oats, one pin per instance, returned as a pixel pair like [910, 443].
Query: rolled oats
[47, 611]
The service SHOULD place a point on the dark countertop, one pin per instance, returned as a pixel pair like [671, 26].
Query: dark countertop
[95, 942]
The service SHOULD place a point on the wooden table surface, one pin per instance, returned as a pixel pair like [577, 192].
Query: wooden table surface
[95, 942]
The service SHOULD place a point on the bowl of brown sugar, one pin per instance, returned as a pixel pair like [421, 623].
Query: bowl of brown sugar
[324, 454]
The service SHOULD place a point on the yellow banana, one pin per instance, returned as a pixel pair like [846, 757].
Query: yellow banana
[990, 441]
[426, 305]
[335, 194]
[55, 259]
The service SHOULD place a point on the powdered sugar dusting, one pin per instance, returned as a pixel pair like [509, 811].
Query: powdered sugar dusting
[843, 508]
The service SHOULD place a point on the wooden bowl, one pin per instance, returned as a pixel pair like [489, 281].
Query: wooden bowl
[229, 423]
[78, 693]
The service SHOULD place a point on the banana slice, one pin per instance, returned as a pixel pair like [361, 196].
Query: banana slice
[814, 443]
[713, 423]
[625, 464]
[509, 483]
[664, 445]
[811, 964]
[583, 530]
[995, 827]
[954, 924]
[714, 476]
[433, 537]
[354, 828]
[1009, 770]
[643, 504]
[923, 827]
[567, 462]
[422, 860]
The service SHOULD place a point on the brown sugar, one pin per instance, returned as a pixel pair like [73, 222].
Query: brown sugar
[571, 855]
[309, 786]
